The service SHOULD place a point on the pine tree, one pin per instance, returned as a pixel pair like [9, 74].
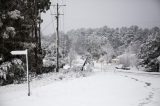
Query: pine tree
[17, 21]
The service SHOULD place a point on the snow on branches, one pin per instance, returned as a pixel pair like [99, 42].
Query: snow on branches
[15, 14]
[10, 32]
[5, 68]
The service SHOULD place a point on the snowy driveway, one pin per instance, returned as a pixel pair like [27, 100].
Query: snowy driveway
[99, 89]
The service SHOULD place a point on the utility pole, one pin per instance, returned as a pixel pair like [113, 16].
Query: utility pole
[36, 36]
[57, 35]
[39, 30]
[57, 30]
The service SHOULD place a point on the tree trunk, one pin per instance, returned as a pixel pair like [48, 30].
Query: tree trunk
[84, 64]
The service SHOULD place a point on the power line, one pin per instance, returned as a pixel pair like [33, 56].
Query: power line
[46, 26]
[53, 20]
[57, 35]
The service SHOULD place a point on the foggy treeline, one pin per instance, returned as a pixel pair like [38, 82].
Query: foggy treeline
[144, 43]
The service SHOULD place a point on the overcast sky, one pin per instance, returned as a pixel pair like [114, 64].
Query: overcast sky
[98, 13]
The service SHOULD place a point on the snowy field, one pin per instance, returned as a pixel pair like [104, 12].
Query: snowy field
[105, 87]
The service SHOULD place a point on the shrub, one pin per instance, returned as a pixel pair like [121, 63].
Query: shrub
[12, 72]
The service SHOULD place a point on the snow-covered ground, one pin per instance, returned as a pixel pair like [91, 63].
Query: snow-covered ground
[105, 87]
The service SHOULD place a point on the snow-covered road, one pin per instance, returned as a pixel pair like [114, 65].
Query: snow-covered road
[152, 83]
[99, 89]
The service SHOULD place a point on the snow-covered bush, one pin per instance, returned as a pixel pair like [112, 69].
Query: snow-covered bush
[17, 71]
[89, 67]
[29, 46]
[76, 72]
[5, 35]
[12, 72]
[10, 31]
[4, 69]
[16, 14]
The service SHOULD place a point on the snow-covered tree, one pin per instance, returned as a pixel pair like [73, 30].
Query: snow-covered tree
[16, 30]
[71, 56]
[108, 51]
[150, 50]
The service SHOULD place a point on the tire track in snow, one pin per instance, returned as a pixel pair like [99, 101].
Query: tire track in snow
[148, 99]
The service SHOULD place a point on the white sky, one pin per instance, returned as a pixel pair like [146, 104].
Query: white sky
[97, 13]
